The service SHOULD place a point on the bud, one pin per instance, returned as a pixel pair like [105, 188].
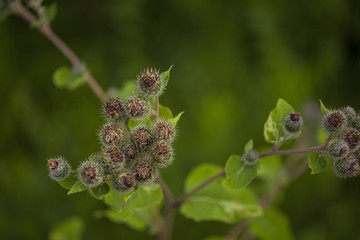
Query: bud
[346, 167]
[123, 182]
[293, 122]
[334, 121]
[350, 115]
[357, 123]
[90, 173]
[113, 158]
[338, 149]
[164, 130]
[351, 137]
[143, 172]
[162, 153]
[142, 138]
[114, 109]
[130, 152]
[137, 108]
[110, 134]
[251, 157]
[149, 82]
[59, 168]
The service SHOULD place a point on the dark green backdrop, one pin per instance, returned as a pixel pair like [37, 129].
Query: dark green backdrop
[232, 60]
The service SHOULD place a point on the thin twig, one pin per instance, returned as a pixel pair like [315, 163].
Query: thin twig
[47, 31]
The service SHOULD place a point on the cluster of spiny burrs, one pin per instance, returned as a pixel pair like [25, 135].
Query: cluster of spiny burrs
[128, 157]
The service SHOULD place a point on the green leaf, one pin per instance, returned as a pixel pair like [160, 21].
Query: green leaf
[273, 225]
[239, 174]
[165, 112]
[249, 146]
[273, 126]
[70, 229]
[130, 194]
[50, 13]
[133, 211]
[164, 76]
[317, 163]
[77, 187]
[64, 77]
[324, 110]
[215, 201]
[100, 191]
[175, 120]
[128, 89]
[68, 182]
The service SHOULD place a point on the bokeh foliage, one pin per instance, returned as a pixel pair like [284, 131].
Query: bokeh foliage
[232, 61]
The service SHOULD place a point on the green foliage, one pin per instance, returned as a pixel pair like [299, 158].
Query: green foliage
[100, 191]
[273, 129]
[77, 187]
[324, 110]
[64, 77]
[134, 208]
[249, 146]
[175, 120]
[69, 229]
[165, 76]
[317, 163]
[215, 201]
[273, 225]
[239, 174]
[68, 182]
[128, 89]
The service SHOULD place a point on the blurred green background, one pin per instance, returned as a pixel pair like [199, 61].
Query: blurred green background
[232, 61]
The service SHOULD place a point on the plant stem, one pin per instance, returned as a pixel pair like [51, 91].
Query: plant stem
[165, 231]
[47, 31]
[271, 152]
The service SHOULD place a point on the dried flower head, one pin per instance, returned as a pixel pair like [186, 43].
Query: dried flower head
[91, 173]
[293, 122]
[149, 82]
[123, 182]
[334, 121]
[164, 130]
[137, 108]
[346, 167]
[110, 134]
[162, 153]
[142, 138]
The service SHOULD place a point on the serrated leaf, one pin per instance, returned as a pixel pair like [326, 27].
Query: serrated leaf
[68, 182]
[239, 174]
[317, 163]
[77, 187]
[273, 225]
[69, 229]
[215, 201]
[50, 13]
[175, 120]
[100, 191]
[165, 76]
[324, 110]
[249, 146]
[273, 126]
[64, 77]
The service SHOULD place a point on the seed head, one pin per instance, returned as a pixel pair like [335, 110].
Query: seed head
[350, 115]
[338, 149]
[334, 121]
[59, 168]
[149, 82]
[110, 134]
[143, 172]
[293, 122]
[164, 130]
[346, 167]
[351, 137]
[137, 108]
[130, 152]
[123, 182]
[113, 158]
[251, 157]
[114, 108]
[91, 173]
[142, 138]
[162, 153]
